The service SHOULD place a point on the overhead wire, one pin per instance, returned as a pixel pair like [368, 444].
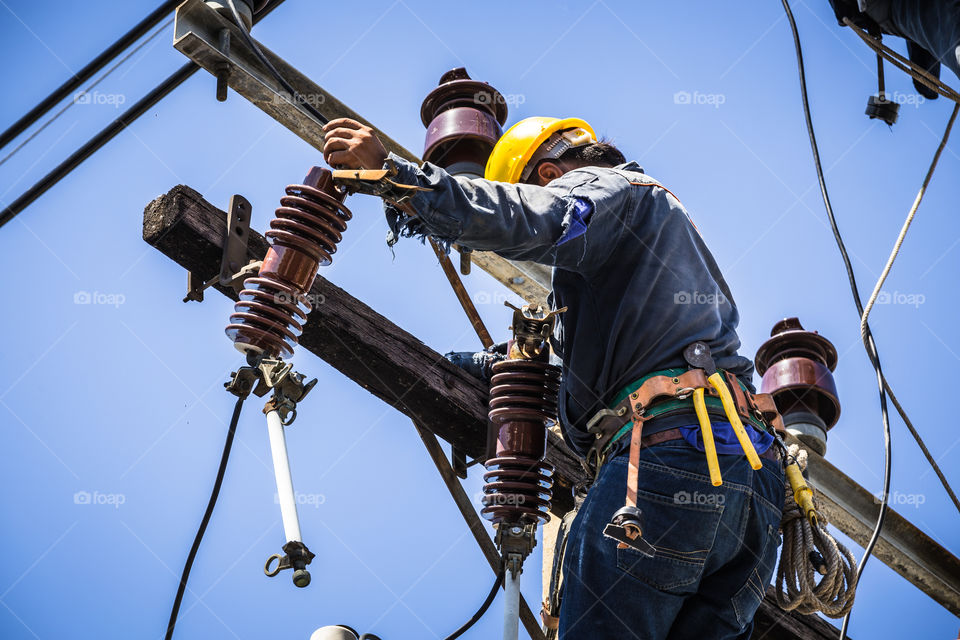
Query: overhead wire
[906, 226]
[88, 71]
[915, 71]
[107, 134]
[871, 349]
[483, 607]
[205, 520]
[89, 88]
[854, 289]
[869, 343]
[94, 144]
[295, 97]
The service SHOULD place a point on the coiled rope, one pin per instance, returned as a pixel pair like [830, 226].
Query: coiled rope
[816, 572]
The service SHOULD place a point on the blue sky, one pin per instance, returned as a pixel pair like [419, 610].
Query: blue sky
[122, 398]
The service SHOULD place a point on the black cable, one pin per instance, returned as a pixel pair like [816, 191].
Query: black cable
[231, 431]
[483, 608]
[88, 71]
[856, 298]
[872, 350]
[108, 133]
[296, 98]
[92, 145]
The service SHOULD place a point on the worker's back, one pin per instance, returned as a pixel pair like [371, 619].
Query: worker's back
[650, 288]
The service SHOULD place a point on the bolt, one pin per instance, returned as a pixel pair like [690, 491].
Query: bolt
[222, 69]
[301, 578]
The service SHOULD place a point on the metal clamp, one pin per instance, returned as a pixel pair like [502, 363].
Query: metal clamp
[296, 556]
[234, 267]
[594, 422]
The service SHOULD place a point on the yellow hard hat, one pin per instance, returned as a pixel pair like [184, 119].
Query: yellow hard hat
[515, 149]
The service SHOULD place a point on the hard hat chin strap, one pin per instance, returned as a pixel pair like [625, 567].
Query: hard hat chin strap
[555, 146]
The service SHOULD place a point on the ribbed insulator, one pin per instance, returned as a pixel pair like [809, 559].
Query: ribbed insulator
[523, 400]
[303, 235]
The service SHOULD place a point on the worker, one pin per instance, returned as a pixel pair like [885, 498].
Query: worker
[640, 286]
[930, 27]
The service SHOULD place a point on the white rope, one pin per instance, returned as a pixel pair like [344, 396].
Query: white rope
[918, 73]
[906, 226]
[816, 572]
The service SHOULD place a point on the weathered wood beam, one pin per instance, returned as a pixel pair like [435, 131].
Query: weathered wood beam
[393, 365]
[384, 359]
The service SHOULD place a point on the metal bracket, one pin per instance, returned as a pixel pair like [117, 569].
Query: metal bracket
[516, 539]
[234, 268]
[288, 386]
[296, 556]
[626, 527]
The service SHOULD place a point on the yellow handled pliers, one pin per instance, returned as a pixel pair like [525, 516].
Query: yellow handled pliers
[698, 355]
[718, 383]
[707, 431]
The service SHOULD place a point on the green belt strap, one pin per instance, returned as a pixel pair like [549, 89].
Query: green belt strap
[661, 408]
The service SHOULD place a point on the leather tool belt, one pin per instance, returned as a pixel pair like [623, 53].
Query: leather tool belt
[757, 408]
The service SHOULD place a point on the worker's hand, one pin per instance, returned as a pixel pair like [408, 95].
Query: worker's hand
[352, 145]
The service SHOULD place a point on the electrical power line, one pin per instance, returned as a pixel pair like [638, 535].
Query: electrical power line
[211, 503]
[884, 387]
[93, 144]
[88, 71]
[109, 132]
[63, 110]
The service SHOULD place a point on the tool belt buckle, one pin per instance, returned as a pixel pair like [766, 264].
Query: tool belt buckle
[626, 527]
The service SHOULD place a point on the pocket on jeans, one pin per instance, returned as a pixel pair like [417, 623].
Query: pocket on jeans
[682, 531]
[748, 598]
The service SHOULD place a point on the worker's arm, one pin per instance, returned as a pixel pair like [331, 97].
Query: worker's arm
[571, 223]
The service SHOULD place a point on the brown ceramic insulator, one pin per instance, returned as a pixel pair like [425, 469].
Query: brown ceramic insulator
[523, 399]
[303, 235]
[796, 366]
[464, 120]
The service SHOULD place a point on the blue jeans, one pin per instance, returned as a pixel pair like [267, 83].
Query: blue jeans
[716, 550]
